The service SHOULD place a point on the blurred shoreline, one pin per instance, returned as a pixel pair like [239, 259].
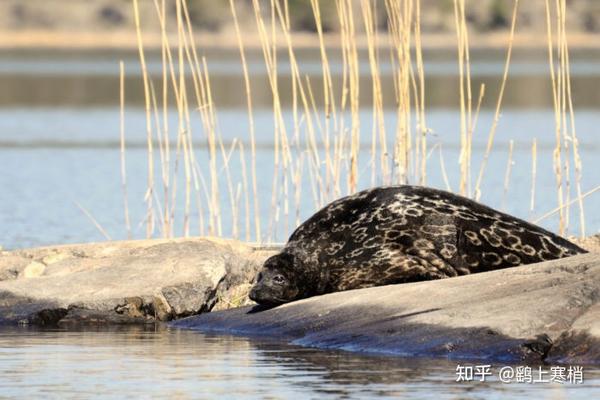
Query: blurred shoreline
[126, 40]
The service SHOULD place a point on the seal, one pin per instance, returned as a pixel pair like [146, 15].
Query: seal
[398, 234]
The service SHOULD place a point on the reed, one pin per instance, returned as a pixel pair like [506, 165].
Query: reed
[509, 165]
[251, 131]
[564, 118]
[533, 175]
[492, 133]
[319, 150]
[378, 135]
[465, 94]
[122, 147]
[149, 134]
[399, 18]
[94, 221]
[420, 100]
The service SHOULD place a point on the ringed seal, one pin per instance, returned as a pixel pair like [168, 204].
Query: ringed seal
[398, 234]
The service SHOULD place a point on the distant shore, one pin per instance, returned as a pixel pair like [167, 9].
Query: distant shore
[126, 40]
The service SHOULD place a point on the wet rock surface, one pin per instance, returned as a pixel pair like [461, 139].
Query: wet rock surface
[540, 312]
[123, 282]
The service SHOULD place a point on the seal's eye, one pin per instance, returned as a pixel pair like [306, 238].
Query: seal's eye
[279, 279]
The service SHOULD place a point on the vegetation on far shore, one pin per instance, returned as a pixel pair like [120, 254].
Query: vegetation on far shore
[482, 16]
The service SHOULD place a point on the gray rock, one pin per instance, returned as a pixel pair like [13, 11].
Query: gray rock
[590, 243]
[12, 265]
[545, 311]
[122, 282]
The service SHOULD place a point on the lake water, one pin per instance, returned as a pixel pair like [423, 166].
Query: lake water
[59, 152]
[161, 363]
[59, 140]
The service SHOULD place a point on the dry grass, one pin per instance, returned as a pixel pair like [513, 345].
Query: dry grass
[319, 153]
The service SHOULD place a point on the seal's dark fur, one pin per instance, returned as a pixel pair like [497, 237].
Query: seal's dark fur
[400, 234]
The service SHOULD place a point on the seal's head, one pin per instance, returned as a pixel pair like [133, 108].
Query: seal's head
[276, 283]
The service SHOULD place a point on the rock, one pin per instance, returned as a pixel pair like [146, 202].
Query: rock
[12, 265]
[590, 243]
[547, 311]
[123, 282]
[34, 269]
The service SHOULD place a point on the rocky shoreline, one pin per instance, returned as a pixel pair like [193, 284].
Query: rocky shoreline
[145, 281]
[546, 312]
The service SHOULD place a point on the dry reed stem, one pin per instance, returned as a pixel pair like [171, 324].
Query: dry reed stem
[421, 121]
[168, 70]
[533, 174]
[576, 155]
[122, 147]
[342, 146]
[328, 97]
[465, 150]
[492, 132]
[255, 200]
[94, 221]
[378, 128]
[399, 19]
[321, 194]
[182, 127]
[148, 196]
[298, 88]
[215, 202]
[166, 169]
[444, 173]
[155, 112]
[509, 164]
[162, 130]
[558, 209]
[298, 186]
[351, 55]
[470, 134]
[281, 150]
[233, 204]
[561, 18]
[164, 140]
[556, 101]
[565, 133]
[573, 136]
[202, 90]
[246, 194]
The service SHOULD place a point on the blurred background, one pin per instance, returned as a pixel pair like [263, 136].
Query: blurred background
[60, 120]
[97, 16]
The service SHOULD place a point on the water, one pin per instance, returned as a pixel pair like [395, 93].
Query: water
[59, 140]
[161, 363]
[55, 160]
[59, 154]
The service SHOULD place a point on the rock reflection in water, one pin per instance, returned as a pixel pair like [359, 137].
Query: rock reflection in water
[143, 362]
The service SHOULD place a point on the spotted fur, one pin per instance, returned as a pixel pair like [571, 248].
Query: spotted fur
[402, 234]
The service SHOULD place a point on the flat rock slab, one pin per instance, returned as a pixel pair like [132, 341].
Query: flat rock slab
[124, 282]
[541, 312]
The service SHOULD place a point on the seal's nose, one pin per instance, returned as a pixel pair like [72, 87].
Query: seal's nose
[254, 294]
[255, 291]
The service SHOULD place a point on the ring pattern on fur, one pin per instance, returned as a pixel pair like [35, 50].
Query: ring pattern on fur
[399, 234]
